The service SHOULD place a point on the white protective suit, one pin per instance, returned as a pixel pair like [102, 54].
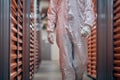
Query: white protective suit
[70, 17]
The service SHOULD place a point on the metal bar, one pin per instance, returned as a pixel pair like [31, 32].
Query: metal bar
[5, 40]
[105, 40]
[109, 40]
[26, 40]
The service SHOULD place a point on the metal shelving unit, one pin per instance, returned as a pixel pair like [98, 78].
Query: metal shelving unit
[117, 39]
[16, 42]
[32, 46]
[92, 53]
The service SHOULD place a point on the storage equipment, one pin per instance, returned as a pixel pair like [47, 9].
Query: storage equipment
[16, 50]
[92, 53]
[116, 39]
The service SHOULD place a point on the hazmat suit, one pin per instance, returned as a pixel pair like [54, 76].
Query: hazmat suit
[73, 19]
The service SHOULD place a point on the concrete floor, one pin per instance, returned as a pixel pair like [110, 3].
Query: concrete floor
[49, 70]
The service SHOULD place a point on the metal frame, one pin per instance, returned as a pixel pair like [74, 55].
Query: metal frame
[5, 32]
[4, 39]
[26, 48]
[105, 40]
[110, 46]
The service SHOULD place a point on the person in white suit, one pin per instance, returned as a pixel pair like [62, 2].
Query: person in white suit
[72, 20]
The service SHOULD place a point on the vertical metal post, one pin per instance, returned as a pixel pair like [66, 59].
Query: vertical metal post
[26, 40]
[110, 51]
[4, 39]
[105, 40]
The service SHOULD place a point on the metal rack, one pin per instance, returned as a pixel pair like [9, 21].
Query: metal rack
[37, 51]
[11, 40]
[32, 40]
[16, 40]
[92, 53]
[117, 39]
[16, 54]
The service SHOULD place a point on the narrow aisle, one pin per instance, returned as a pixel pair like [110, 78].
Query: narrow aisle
[49, 70]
